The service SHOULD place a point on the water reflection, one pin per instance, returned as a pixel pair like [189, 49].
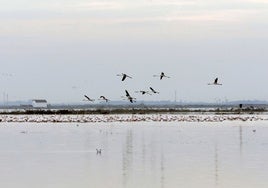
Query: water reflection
[240, 140]
[143, 146]
[146, 164]
[134, 156]
[127, 156]
[216, 163]
[162, 169]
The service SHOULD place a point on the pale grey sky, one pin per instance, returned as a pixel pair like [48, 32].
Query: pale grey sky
[62, 49]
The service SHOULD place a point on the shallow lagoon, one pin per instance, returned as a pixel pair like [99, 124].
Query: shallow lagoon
[141, 154]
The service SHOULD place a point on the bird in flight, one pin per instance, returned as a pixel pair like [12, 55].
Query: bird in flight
[131, 99]
[89, 99]
[103, 98]
[143, 92]
[215, 82]
[154, 90]
[127, 93]
[124, 76]
[162, 75]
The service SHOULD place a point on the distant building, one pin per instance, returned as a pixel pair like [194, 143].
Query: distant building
[39, 103]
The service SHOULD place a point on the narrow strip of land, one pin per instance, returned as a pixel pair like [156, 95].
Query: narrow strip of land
[129, 118]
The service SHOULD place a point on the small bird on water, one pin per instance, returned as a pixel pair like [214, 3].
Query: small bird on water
[98, 151]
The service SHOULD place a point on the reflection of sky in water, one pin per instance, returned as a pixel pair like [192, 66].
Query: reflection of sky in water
[135, 155]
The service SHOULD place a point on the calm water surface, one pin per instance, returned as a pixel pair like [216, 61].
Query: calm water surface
[157, 155]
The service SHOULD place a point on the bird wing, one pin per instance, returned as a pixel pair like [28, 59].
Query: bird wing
[152, 89]
[124, 77]
[216, 81]
[162, 75]
[127, 94]
[87, 97]
[128, 76]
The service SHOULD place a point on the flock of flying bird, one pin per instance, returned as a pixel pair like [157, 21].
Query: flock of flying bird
[143, 92]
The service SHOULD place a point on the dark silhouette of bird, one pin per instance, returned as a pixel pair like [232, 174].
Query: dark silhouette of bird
[240, 106]
[127, 94]
[89, 99]
[215, 82]
[143, 92]
[162, 75]
[154, 90]
[124, 76]
[103, 98]
[98, 151]
[131, 99]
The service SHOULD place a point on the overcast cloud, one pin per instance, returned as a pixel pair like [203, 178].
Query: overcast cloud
[62, 49]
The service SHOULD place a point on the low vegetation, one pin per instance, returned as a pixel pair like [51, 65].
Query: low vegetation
[247, 110]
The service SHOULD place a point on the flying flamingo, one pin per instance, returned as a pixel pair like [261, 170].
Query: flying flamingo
[162, 75]
[103, 98]
[89, 99]
[154, 90]
[131, 99]
[124, 76]
[215, 82]
[143, 92]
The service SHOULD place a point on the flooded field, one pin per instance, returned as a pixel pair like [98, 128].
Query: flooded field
[134, 154]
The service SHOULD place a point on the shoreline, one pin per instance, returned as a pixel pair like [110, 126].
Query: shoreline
[143, 111]
[128, 118]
